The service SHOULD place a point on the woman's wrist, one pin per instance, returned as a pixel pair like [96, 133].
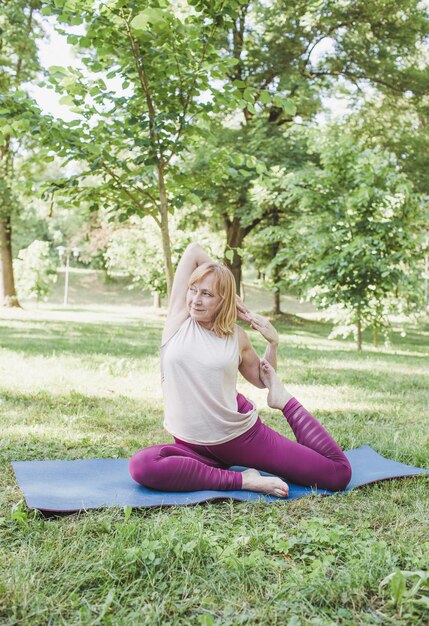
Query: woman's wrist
[273, 343]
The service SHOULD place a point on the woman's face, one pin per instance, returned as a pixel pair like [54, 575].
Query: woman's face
[203, 302]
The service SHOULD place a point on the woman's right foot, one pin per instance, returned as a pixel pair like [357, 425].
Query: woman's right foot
[271, 485]
[278, 395]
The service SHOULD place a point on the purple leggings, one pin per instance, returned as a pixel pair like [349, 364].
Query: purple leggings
[314, 460]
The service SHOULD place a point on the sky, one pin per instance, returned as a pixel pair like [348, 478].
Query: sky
[53, 50]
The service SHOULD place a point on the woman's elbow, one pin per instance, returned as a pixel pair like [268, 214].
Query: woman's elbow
[192, 248]
[259, 384]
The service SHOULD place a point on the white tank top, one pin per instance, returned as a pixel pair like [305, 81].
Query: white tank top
[199, 378]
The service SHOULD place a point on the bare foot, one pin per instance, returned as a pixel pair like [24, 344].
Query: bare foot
[271, 485]
[277, 393]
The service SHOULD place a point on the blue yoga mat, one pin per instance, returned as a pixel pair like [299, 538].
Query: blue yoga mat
[69, 486]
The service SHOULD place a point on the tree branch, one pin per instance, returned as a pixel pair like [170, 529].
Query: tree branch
[20, 58]
[135, 48]
[354, 78]
[191, 88]
[128, 193]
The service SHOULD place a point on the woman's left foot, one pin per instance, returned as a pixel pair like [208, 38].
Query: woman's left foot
[278, 395]
[271, 485]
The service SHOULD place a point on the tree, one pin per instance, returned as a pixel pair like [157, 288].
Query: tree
[169, 67]
[18, 114]
[134, 249]
[35, 270]
[223, 172]
[271, 243]
[359, 228]
[286, 55]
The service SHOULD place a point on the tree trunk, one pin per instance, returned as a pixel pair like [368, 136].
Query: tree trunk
[8, 295]
[157, 152]
[276, 278]
[426, 277]
[359, 331]
[165, 231]
[242, 292]
[156, 300]
[375, 336]
[276, 308]
[235, 235]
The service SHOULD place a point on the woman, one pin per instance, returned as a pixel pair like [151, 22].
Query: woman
[213, 426]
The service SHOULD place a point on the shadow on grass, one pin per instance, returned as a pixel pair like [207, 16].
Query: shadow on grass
[45, 338]
[414, 337]
[117, 414]
[368, 380]
[42, 425]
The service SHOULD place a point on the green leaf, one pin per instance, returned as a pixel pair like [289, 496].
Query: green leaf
[146, 17]
[397, 587]
[286, 104]
[57, 70]
[206, 620]
[141, 21]
[127, 510]
[67, 100]
[248, 95]
[289, 106]
[265, 97]
[237, 159]
[229, 255]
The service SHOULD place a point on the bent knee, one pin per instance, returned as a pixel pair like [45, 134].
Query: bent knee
[142, 466]
[342, 478]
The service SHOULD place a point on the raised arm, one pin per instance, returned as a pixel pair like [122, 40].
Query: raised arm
[193, 256]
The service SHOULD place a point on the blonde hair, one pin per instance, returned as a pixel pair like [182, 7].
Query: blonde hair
[224, 286]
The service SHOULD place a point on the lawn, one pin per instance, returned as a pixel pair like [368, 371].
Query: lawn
[83, 381]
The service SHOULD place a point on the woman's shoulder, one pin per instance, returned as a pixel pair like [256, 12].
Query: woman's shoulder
[241, 334]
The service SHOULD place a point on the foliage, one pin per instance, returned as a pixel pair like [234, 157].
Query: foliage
[225, 170]
[292, 54]
[29, 223]
[20, 121]
[360, 229]
[35, 271]
[397, 125]
[409, 595]
[133, 123]
[134, 249]
[271, 246]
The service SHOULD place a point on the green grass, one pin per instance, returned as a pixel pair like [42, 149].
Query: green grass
[84, 382]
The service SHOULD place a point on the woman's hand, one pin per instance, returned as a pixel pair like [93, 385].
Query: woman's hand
[264, 326]
[250, 361]
[243, 313]
[257, 322]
